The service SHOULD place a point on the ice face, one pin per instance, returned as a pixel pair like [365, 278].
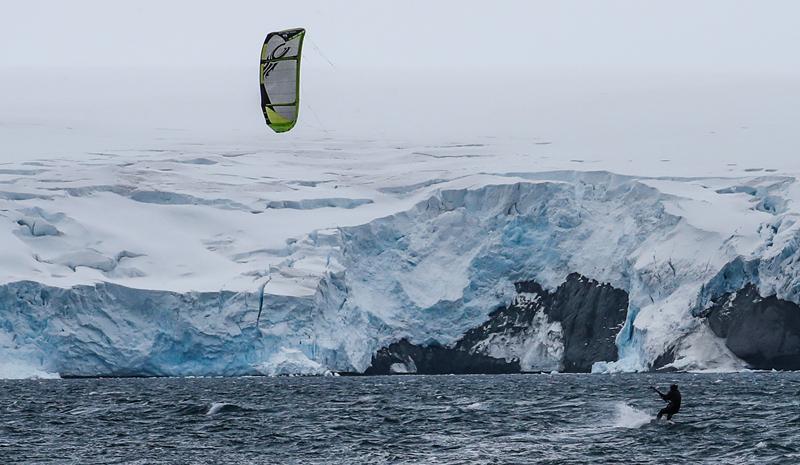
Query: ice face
[101, 277]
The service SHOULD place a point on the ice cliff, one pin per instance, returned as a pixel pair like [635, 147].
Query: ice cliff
[160, 266]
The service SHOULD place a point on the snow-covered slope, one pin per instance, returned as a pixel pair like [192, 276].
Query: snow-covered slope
[157, 262]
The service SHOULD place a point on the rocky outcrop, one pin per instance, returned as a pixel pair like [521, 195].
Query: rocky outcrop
[762, 331]
[664, 361]
[591, 314]
[404, 357]
[566, 330]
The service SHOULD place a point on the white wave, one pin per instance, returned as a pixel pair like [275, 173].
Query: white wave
[626, 416]
[85, 410]
[215, 408]
[476, 406]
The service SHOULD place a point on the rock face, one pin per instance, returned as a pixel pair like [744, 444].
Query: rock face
[566, 330]
[592, 314]
[404, 357]
[762, 331]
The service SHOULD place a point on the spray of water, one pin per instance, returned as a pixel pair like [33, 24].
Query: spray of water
[626, 416]
[215, 408]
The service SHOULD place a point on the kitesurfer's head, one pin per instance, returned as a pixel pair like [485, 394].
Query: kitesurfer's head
[673, 387]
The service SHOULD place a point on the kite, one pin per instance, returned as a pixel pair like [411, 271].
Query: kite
[279, 78]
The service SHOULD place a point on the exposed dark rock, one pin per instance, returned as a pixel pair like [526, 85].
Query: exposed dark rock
[591, 315]
[510, 321]
[404, 357]
[762, 331]
[663, 360]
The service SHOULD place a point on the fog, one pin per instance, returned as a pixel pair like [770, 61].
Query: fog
[595, 79]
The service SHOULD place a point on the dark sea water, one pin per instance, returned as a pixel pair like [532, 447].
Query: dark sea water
[555, 419]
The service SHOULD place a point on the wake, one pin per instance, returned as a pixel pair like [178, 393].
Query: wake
[626, 416]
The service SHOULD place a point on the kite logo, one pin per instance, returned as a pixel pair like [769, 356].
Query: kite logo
[283, 50]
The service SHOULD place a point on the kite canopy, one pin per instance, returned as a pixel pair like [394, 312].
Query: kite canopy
[279, 78]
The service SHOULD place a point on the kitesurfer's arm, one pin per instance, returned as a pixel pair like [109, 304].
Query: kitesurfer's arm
[663, 396]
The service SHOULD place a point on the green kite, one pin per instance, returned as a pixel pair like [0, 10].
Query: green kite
[279, 78]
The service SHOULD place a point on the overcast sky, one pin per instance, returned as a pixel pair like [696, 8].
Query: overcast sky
[721, 34]
[594, 77]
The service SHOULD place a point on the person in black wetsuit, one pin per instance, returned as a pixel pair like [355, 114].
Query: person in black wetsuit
[673, 399]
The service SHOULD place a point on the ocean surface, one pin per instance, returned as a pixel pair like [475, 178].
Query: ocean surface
[511, 419]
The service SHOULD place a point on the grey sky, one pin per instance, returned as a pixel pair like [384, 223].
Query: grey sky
[632, 78]
[755, 36]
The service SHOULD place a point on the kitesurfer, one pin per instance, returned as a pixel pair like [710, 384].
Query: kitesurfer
[673, 399]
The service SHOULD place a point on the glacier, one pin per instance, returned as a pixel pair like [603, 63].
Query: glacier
[157, 263]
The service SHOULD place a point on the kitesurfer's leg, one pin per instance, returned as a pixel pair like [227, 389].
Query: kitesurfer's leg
[661, 413]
